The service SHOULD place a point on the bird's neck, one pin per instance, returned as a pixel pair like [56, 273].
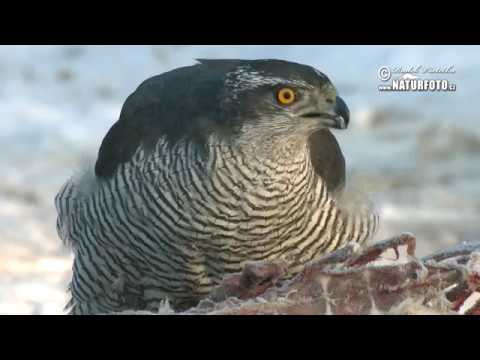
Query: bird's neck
[268, 162]
[273, 151]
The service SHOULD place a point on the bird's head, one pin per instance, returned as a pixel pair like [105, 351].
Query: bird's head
[249, 101]
[279, 97]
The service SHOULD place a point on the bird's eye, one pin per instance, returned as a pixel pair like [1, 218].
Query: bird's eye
[286, 96]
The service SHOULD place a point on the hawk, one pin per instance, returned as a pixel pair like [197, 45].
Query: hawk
[208, 167]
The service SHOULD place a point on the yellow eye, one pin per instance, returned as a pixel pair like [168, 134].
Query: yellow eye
[286, 96]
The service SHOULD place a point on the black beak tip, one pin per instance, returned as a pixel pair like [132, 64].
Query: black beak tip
[341, 109]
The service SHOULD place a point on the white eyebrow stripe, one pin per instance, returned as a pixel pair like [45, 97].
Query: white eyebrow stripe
[319, 73]
[244, 78]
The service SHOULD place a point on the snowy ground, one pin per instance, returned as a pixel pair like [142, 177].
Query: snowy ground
[416, 154]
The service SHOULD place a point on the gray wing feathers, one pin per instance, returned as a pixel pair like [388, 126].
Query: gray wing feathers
[327, 159]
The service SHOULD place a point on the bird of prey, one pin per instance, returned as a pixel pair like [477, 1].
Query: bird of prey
[209, 166]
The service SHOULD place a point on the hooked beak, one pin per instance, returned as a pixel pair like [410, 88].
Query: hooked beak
[338, 120]
[342, 117]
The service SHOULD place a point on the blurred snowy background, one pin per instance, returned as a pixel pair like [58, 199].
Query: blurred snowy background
[417, 155]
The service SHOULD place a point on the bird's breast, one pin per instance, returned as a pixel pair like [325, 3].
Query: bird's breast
[238, 205]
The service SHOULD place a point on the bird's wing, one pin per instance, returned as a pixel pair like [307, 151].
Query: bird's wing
[174, 105]
[327, 159]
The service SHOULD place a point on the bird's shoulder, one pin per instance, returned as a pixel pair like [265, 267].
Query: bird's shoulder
[170, 106]
[327, 159]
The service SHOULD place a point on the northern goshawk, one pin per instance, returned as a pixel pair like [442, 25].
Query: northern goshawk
[209, 166]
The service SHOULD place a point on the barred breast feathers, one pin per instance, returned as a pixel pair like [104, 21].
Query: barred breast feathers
[171, 160]
[188, 219]
[81, 185]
